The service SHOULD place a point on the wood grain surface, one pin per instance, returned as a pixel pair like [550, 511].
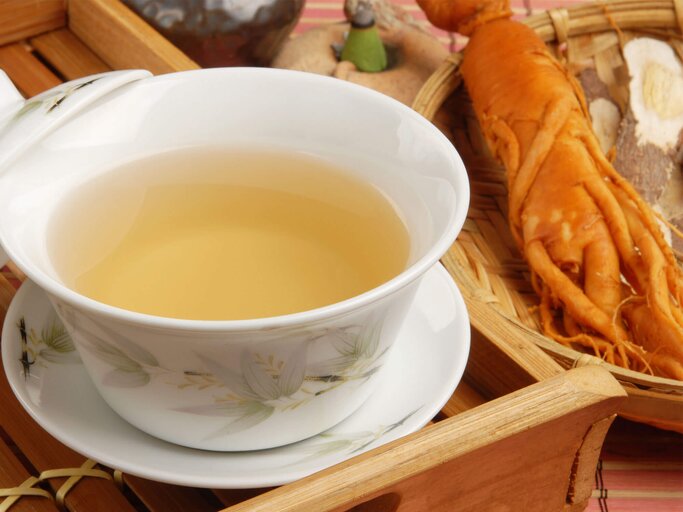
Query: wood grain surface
[20, 19]
[121, 39]
[529, 449]
[67, 54]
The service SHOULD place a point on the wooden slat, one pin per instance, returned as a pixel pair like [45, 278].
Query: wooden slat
[643, 405]
[45, 452]
[465, 398]
[20, 19]
[67, 54]
[6, 294]
[29, 74]
[581, 485]
[159, 497]
[508, 364]
[518, 452]
[16, 273]
[13, 474]
[122, 39]
[234, 496]
[155, 496]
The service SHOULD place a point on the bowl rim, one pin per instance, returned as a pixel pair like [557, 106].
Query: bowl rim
[457, 177]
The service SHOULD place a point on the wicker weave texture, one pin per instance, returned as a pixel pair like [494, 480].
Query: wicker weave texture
[485, 259]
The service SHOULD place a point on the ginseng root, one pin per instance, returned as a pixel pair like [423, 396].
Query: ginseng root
[606, 277]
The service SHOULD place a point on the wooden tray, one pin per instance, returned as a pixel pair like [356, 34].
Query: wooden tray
[523, 435]
[485, 261]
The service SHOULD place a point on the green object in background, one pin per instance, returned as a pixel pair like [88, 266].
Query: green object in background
[364, 47]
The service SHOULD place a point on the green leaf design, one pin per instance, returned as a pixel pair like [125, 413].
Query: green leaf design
[133, 350]
[57, 357]
[54, 345]
[247, 415]
[51, 99]
[361, 344]
[127, 371]
[126, 379]
[55, 337]
[368, 339]
[369, 373]
[344, 342]
[258, 412]
[29, 106]
[222, 409]
[402, 420]
[112, 355]
[350, 442]
[260, 382]
[364, 445]
[334, 366]
[320, 449]
[232, 380]
[294, 371]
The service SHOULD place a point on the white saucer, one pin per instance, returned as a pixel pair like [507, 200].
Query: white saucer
[421, 374]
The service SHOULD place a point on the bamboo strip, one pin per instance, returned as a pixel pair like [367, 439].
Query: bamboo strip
[234, 496]
[123, 40]
[29, 74]
[68, 55]
[591, 19]
[13, 473]
[16, 272]
[27, 19]
[45, 452]
[6, 295]
[532, 434]
[465, 398]
[160, 497]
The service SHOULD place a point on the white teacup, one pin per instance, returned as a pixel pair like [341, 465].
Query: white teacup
[152, 370]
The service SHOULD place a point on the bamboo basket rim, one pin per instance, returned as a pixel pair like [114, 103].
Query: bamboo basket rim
[652, 17]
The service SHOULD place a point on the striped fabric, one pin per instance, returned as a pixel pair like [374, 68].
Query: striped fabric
[641, 468]
[326, 11]
[318, 12]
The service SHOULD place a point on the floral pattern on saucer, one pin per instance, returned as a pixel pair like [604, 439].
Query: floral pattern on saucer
[51, 345]
[352, 442]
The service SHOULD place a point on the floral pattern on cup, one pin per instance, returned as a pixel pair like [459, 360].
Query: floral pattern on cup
[51, 345]
[263, 379]
[53, 98]
[265, 382]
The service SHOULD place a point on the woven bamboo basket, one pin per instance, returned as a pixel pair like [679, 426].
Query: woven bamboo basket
[485, 260]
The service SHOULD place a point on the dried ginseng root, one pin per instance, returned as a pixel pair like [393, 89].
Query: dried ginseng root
[606, 277]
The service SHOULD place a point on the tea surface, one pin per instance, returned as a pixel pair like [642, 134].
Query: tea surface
[225, 235]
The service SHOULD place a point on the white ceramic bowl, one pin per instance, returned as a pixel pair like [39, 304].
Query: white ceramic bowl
[209, 384]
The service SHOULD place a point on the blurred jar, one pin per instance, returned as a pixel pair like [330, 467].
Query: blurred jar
[223, 32]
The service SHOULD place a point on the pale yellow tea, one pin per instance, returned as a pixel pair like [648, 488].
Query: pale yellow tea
[221, 235]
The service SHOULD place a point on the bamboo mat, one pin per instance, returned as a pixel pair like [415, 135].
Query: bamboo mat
[641, 468]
